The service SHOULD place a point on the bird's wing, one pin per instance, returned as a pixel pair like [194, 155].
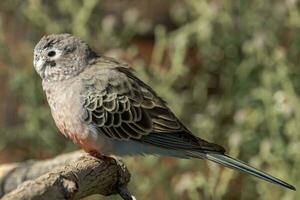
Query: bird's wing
[122, 107]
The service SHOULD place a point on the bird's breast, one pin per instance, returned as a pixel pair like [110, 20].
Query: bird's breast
[64, 100]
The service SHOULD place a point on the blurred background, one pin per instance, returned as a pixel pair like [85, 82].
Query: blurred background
[229, 70]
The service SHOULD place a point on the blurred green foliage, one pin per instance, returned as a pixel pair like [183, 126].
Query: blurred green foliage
[229, 70]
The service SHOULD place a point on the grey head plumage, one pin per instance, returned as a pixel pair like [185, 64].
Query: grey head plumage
[61, 56]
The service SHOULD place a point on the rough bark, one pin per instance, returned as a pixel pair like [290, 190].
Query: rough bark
[70, 176]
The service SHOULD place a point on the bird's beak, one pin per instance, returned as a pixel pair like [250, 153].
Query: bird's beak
[40, 65]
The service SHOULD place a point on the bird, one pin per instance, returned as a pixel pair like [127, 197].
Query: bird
[101, 105]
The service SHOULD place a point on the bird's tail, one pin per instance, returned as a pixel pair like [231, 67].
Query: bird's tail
[236, 164]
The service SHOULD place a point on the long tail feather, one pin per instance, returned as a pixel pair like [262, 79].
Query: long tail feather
[236, 164]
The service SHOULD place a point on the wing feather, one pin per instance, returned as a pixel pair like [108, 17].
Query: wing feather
[122, 107]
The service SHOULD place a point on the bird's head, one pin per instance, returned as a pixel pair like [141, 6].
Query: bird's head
[61, 56]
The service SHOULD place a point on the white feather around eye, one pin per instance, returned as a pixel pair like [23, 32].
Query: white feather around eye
[56, 55]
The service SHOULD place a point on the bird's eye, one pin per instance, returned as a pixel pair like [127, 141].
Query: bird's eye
[51, 53]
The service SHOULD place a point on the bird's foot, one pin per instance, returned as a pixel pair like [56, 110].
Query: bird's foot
[103, 157]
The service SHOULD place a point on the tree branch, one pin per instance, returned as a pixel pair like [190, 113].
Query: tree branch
[83, 176]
